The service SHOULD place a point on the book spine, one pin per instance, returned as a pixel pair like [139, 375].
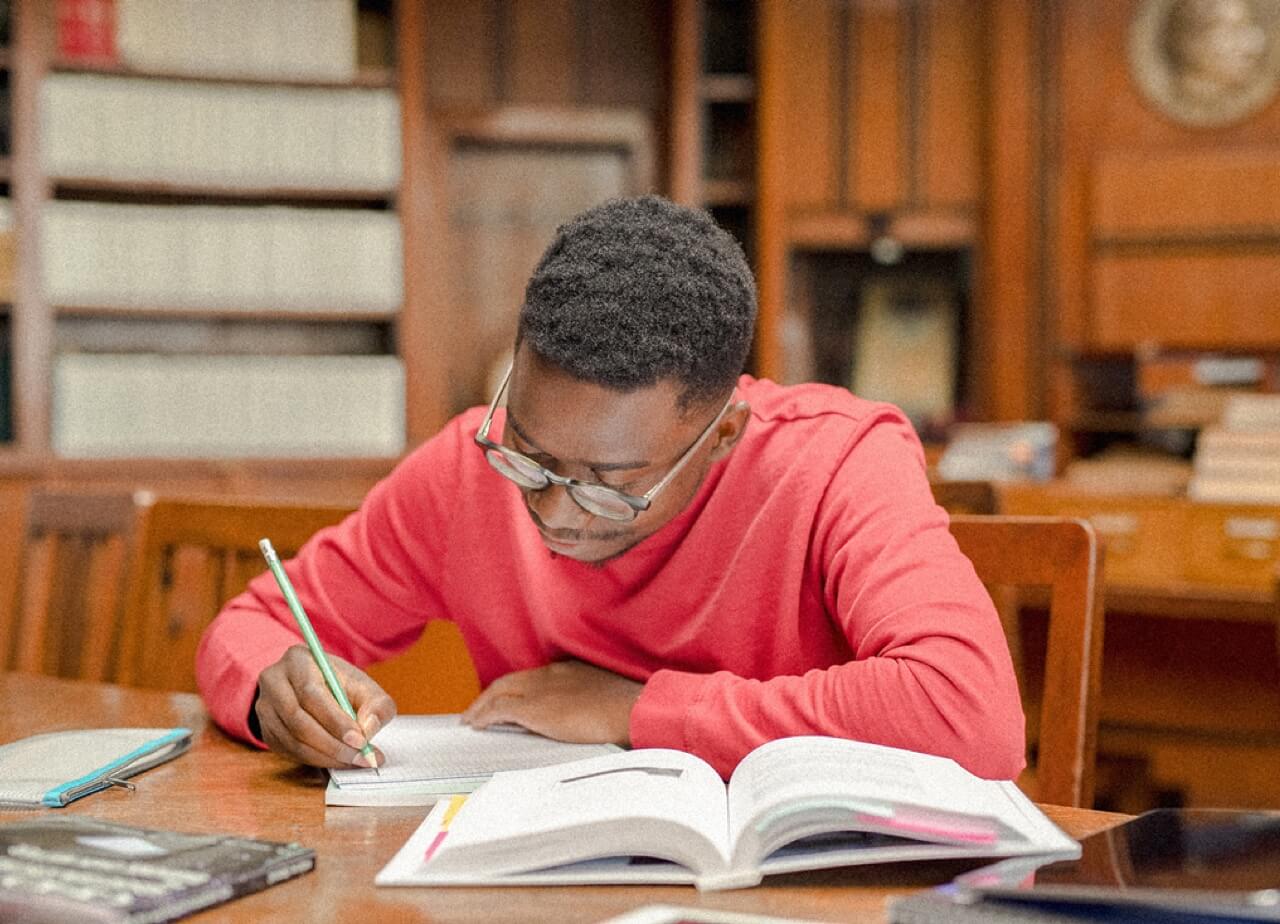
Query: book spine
[182, 406]
[86, 30]
[200, 257]
[263, 39]
[106, 127]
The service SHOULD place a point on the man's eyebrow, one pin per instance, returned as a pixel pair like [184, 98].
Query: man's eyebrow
[594, 466]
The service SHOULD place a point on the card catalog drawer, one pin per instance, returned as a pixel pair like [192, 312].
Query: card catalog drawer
[1142, 536]
[1236, 546]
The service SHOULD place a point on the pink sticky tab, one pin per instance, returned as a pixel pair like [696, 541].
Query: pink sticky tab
[435, 845]
[935, 827]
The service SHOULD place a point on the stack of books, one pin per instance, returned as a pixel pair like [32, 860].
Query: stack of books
[1015, 451]
[1238, 460]
[265, 39]
[230, 257]
[241, 136]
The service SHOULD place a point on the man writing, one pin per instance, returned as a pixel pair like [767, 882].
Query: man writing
[645, 546]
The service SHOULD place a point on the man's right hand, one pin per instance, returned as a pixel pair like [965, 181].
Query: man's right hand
[299, 717]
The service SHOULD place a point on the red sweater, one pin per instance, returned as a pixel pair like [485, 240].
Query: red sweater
[810, 587]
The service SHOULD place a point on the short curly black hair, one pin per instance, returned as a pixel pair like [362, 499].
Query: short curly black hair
[635, 291]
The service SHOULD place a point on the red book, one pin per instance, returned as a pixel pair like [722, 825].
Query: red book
[87, 30]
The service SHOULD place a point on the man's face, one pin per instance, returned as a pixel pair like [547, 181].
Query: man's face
[626, 440]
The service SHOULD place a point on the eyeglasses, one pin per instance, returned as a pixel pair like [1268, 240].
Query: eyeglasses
[597, 499]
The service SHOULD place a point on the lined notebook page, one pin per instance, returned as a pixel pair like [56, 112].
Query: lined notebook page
[422, 748]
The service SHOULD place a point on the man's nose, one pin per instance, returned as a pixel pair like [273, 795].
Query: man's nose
[556, 509]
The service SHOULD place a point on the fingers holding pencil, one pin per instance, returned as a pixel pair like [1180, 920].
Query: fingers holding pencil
[361, 682]
[300, 718]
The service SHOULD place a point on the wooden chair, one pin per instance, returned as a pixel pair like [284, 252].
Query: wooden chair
[64, 617]
[1062, 554]
[195, 555]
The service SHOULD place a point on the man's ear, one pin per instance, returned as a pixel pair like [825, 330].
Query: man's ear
[730, 429]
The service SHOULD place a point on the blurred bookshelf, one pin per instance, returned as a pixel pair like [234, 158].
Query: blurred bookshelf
[713, 105]
[209, 209]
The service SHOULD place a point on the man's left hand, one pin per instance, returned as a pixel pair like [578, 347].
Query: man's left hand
[568, 700]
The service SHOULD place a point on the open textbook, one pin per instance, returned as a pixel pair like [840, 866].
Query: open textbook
[659, 816]
[429, 756]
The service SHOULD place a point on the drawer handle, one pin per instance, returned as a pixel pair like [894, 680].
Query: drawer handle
[1117, 530]
[1264, 529]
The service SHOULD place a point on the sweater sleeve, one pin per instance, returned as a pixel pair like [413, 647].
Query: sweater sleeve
[363, 584]
[930, 668]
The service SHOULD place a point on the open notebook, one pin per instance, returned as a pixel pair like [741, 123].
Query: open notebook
[430, 756]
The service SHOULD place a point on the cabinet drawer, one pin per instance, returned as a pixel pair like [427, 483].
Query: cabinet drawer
[1141, 537]
[1233, 546]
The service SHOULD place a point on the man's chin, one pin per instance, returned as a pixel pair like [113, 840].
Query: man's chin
[588, 552]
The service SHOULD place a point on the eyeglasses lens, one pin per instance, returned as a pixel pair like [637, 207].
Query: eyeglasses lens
[519, 469]
[602, 503]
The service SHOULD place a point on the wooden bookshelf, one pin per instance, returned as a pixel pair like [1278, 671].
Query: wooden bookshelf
[384, 78]
[36, 328]
[713, 119]
[161, 313]
[115, 189]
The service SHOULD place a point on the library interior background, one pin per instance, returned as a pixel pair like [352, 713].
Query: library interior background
[263, 248]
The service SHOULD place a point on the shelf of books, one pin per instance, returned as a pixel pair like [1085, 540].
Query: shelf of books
[218, 266]
[714, 92]
[7, 237]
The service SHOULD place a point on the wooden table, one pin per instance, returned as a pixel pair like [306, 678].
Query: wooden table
[223, 786]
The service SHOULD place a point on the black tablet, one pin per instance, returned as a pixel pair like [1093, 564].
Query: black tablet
[1218, 863]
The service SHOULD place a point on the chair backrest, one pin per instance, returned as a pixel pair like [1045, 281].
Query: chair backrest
[1062, 554]
[195, 555]
[65, 615]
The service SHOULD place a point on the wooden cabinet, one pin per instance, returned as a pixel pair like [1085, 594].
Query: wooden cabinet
[869, 170]
[1191, 663]
[1169, 546]
[1166, 233]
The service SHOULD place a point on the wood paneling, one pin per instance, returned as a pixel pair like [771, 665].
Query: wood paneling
[1187, 194]
[462, 52]
[489, 64]
[1010, 262]
[881, 103]
[1198, 205]
[484, 53]
[867, 108]
[1187, 296]
[951, 103]
[540, 63]
[620, 53]
[804, 35]
[879, 95]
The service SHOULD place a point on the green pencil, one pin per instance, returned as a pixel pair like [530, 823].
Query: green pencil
[313, 643]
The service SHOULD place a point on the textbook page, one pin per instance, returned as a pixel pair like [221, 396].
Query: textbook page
[652, 803]
[438, 754]
[798, 787]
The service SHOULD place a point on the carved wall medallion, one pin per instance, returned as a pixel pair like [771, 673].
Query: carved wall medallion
[1206, 62]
